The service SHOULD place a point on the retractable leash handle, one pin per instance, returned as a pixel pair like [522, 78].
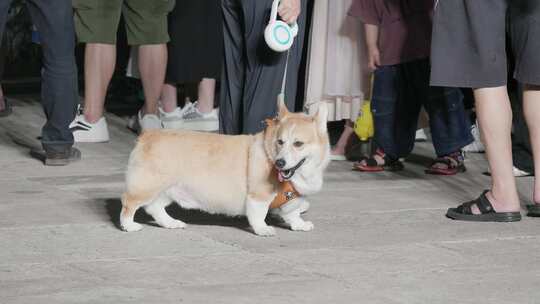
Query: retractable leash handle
[278, 34]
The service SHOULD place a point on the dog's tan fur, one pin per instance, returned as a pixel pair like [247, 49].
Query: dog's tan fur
[230, 175]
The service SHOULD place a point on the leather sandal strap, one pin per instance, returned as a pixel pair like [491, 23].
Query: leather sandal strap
[484, 205]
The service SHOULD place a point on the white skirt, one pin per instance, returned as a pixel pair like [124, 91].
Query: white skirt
[337, 68]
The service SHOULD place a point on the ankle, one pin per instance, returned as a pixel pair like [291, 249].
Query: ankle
[92, 118]
[504, 202]
[204, 109]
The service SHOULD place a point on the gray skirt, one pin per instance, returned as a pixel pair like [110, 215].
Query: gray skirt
[469, 42]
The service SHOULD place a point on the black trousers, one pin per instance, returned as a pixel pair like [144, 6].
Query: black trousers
[54, 21]
[252, 73]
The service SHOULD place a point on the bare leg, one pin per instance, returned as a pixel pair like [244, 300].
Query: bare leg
[169, 98]
[152, 65]
[339, 149]
[495, 119]
[207, 92]
[531, 110]
[99, 62]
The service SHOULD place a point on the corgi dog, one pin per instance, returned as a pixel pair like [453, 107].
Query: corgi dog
[231, 175]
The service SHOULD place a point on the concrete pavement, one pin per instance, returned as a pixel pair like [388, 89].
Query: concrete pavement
[378, 238]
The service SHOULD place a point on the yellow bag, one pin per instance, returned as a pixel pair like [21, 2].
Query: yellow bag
[363, 126]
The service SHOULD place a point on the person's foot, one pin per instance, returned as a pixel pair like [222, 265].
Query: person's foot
[499, 205]
[476, 146]
[63, 158]
[337, 154]
[174, 119]
[86, 132]
[149, 122]
[421, 135]
[485, 209]
[139, 123]
[450, 164]
[5, 107]
[198, 121]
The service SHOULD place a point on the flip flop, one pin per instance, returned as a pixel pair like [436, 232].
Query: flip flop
[487, 214]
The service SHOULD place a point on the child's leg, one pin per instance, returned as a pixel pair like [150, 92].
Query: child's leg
[450, 126]
[409, 106]
[383, 107]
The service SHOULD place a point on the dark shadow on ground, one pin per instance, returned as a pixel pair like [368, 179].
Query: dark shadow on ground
[189, 216]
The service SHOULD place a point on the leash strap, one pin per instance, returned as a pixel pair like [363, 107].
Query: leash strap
[284, 81]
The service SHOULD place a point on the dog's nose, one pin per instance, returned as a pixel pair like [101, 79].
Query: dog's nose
[280, 163]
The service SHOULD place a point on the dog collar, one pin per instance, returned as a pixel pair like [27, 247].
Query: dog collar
[285, 194]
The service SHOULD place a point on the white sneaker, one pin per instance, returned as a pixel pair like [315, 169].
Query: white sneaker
[198, 121]
[149, 122]
[174, 119]
[85, 132]
[476, 146]
[421, 135]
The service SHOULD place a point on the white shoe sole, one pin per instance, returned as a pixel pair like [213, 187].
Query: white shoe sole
[205, 126]
[173, 124]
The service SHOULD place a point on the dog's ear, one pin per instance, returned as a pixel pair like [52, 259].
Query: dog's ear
[282, 108]
[320, 116]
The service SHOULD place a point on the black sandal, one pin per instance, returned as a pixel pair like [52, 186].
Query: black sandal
[533, 210]
[487, 214]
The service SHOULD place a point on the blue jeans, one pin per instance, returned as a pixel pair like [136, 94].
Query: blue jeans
[399, 92]
[59, 97]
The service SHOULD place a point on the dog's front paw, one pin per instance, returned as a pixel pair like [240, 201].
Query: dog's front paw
[130, 227]
[264, 231]
[302, 226]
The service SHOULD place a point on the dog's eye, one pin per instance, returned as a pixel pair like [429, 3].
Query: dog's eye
[298, 144]
[280, 142]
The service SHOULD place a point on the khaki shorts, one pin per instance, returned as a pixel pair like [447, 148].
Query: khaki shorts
[96, 21]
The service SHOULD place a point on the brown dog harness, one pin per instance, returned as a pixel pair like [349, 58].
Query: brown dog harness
[285, 194]
[286, 191]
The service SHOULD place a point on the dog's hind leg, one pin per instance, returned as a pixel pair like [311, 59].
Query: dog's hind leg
[129, 206]
[256, 211]
[157, 210]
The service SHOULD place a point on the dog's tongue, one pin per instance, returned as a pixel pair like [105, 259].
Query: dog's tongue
[280, 177]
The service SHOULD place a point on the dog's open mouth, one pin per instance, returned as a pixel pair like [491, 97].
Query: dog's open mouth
[289, 173]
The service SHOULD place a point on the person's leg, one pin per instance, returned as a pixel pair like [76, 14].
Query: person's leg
[480, 27]
[207, 92]
[99, 62]
[521, 143]
[264, 76]
[339, 148]
[146, 27]
[4, 7]
[152, 66]
[54, 21]
[233, 73]
[408, 107]
[169, 98]
[531, 109]
[495, 119]
[384, 109]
